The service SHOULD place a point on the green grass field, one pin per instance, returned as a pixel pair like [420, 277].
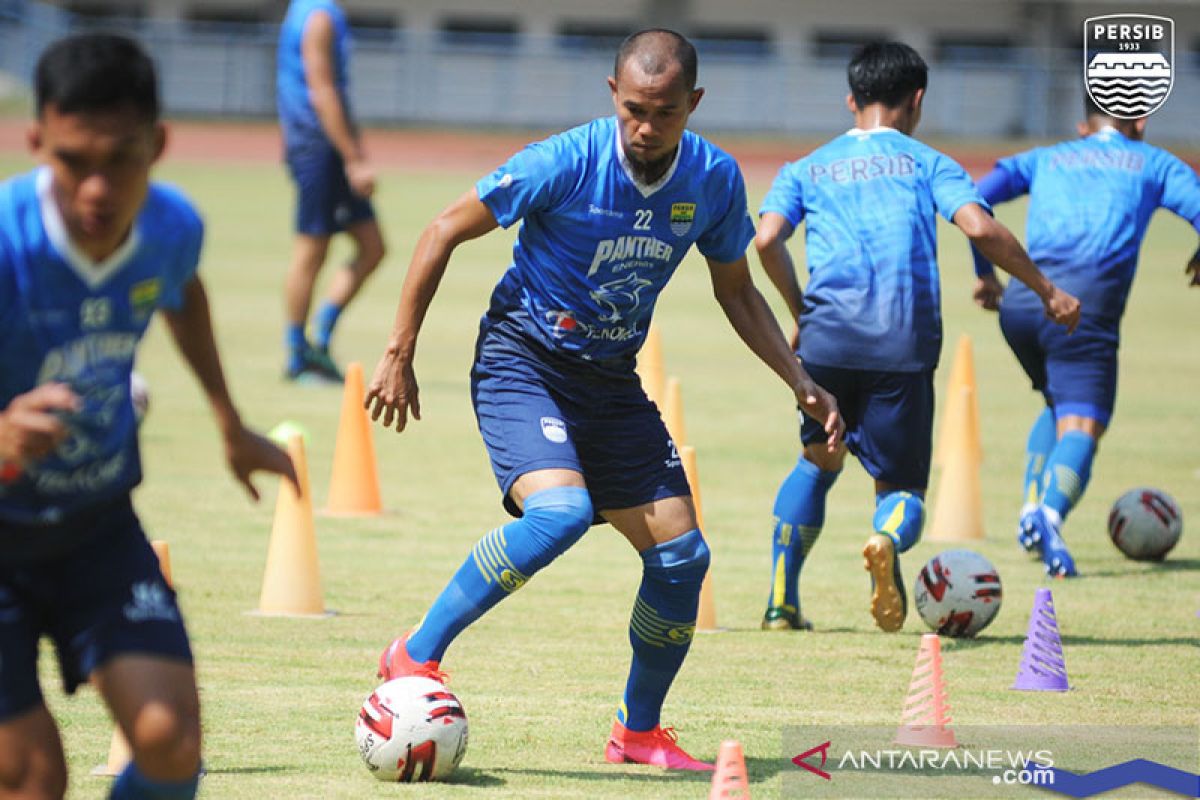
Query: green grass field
[541, 675]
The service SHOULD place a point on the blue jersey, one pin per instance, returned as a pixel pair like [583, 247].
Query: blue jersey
[1090, 202]
[64, 318]
[301, 127]
[869, 201]
[596, 246]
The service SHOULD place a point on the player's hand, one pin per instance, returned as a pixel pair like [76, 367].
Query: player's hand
[247, 453]
[1193, 269]
[1063, 308]
[821, 406]
[393, 391]
[32, 425]
[988, 291]
[361, 177]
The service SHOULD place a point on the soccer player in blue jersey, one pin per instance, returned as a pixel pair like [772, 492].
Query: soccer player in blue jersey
[334, 180]
[870, 328]
[1090, 202]
[608, 210]
[89, 249]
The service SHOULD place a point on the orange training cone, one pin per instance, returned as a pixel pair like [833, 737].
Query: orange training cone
[118, 750]
[962, 373]
[673, 412]
[291, 580]
[706, 617]
[958, 507]
[651, 367]
[730, 781]
[354, 485]
[924, 722]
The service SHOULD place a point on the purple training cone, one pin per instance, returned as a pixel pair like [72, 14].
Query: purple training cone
[1042, 668]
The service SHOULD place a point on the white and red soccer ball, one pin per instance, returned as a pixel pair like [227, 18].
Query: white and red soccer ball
[1145, 524]
[411, 729]
[958, 593]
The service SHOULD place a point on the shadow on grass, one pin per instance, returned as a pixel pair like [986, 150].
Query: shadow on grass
[970, 644]
[248, 770]
[758, 769]
[1144, 567]
[474, 777]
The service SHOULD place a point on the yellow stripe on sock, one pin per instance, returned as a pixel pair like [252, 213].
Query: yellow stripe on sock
[780, 587]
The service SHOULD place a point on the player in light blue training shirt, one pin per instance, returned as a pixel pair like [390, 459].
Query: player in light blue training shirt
[89, 250]
[870, 328]
[1090, 202]
[607, 212]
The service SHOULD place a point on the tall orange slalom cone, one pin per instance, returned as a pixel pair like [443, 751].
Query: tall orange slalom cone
[651, 367]
[291, 580]
[706, 617]
[962, 373]
[924, 721]
[958, 507]
[119, 753]
[673, 412]
[354, 485]
[730, 781]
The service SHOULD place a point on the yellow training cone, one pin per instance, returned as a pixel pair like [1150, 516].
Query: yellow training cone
[706, 618]
[292, 581]
[958, 507]
[651, 367]
[962, 374]
[673, 412]
[354, 485]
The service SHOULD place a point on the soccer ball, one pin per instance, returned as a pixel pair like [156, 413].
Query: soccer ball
[411, 729]
[958, 593]
[139, 395]
[1145, 524]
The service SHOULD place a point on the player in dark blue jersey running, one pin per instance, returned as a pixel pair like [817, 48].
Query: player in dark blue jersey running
[1090, 202]
[89, 249]
[607, 212]
[870, 327]
[334, 180]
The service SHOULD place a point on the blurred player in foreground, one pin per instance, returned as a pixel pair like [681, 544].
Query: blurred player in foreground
[89, 249]
[1090, 202]
[609, 209]
[870, 327]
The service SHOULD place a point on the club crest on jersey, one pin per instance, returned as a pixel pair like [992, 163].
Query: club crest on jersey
[554, 429]
[1128, 62]
[143, 297]
[682, 215]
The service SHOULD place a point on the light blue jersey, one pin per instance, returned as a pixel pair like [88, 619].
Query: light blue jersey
[64, 318]
[596, 246]
[296, 113]
[869, 201]
[1090, 204]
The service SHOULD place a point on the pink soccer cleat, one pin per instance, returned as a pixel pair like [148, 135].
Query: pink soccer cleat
[655, 747]
[395, 662]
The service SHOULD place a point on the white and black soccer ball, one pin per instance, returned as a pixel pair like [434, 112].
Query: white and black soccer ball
[411, 729]
[139, 395]
[958, 593]
[1145, 524]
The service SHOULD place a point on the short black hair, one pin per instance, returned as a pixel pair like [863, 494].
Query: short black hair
[886, 72]
[656, 49]
[96, 72]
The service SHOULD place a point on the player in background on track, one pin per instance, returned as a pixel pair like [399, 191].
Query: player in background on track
[334, 181]
[608, 210]
[870, 328]
[89, 249]
[1090, 202]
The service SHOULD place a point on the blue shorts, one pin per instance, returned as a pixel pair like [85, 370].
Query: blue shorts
[889, 421]
[325, 205]
[104, 598]
[1077, 374]
[538, 409]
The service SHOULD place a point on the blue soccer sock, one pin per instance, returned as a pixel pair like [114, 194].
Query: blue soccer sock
[324, 321]
[900, 515]
[501, 563]
[131, 784]
[662, 624]
[1067, 472]
[1041, 441]
[296, 343]
[799, 515]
